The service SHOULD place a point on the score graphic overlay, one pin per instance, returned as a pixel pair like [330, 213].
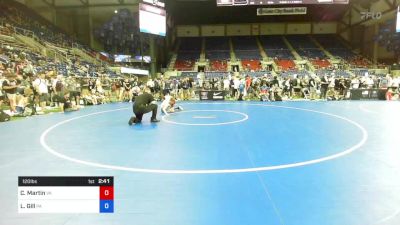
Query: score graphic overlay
[65, 194]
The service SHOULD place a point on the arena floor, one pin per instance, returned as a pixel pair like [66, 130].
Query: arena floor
[217, 163]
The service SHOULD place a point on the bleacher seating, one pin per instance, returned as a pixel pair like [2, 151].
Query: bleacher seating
[251, 65]
[184, 65]
[22, 19]
[189, 49]
[188, 53]
[217, 44]
[246, 49]
[285, 64]
[218, 55]
[358, 62]
[190, 44]
[275, 47]
[305, 47]
[320, 63]
[218, 65]
[192, 56]
[334, 46]
[217, 48]
[244, 43]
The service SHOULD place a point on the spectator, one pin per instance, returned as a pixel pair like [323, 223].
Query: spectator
[10, 86]
[40, 87]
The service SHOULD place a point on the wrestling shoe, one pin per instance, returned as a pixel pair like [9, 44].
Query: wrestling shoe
[131, 120]
[180, 108]
[154, 120]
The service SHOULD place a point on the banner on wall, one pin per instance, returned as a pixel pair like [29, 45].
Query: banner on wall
[134, 71]
[368, 94]
[212, 95]
[281, 11]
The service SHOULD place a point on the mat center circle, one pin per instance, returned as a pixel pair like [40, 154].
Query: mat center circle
[205, 117]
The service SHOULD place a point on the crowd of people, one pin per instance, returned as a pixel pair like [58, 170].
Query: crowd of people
[328, 87]
[31, 83]
[28, 92]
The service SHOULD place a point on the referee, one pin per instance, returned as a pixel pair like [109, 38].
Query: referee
[143, 104]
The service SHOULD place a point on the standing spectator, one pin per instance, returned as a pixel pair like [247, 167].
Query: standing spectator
[3, 116]
[248, 84]
[150, 84]
[120, 88]
[74, 89]
[324, 86]
[355, 83]
[127, 90]
[58, 87]
[185, 89]
[312, 85]
[106, 82]
[92, 86]
[10, 86]
[226, 84]
[40, 85]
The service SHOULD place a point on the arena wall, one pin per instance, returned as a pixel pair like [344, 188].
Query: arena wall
[188, 31]
[256, 29]
[272, 28]
[212, 30]
[238, 30]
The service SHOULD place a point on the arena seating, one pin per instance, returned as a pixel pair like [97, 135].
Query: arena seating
[248, 54]
[320, 63]
[275, 47]
[21, 19]
[244, 43]
[246, 48]
[185, 55]
[188, 53]
[285, 64]
[305, 47]
[189, 49]
[359, 62]
[251, 65]
[217, 44]
[184, 65]
[334, 46]
[190, 44]
[218, 65]
[217, 48]
[218, 55]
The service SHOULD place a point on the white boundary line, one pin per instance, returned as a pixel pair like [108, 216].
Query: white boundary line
[361, 106]
[210, 171]
[389, 217]
[245, 117]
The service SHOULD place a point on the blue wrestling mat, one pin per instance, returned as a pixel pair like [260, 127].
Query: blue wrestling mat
[217, 163]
